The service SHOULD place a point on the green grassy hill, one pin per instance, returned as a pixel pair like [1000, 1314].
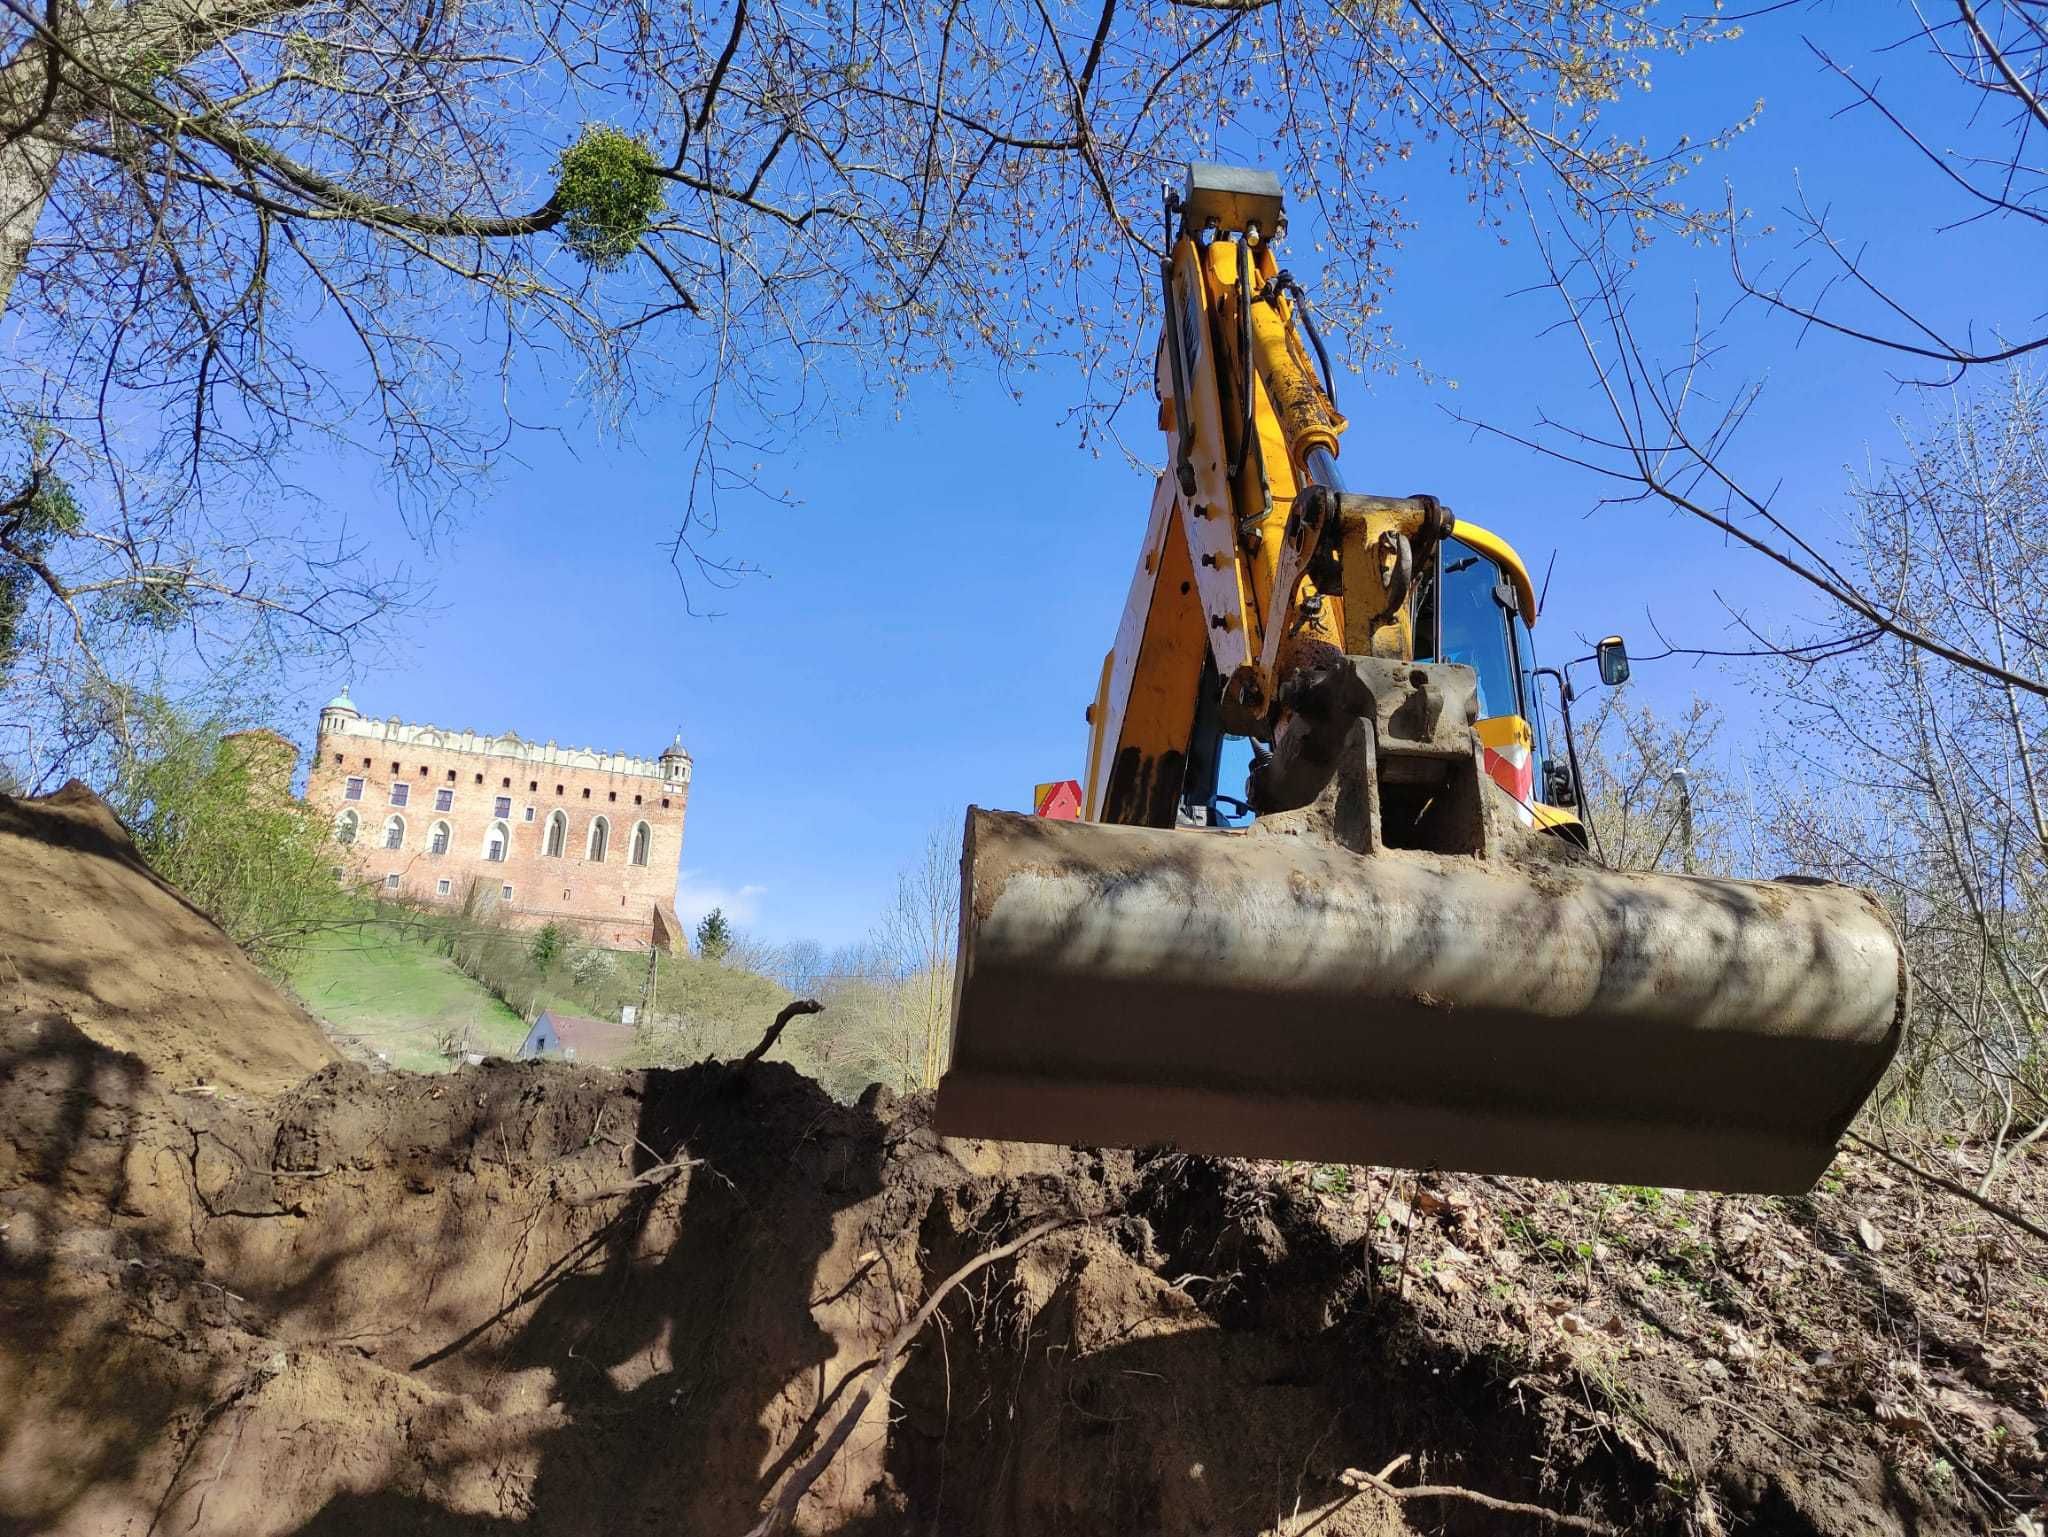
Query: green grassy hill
[388, 985]
[381, 988]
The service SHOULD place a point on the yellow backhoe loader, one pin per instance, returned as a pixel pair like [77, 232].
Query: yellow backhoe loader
[1409, 957]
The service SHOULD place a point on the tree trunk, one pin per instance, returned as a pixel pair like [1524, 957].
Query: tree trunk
[28, 170]
[29, 108]
[107, 43]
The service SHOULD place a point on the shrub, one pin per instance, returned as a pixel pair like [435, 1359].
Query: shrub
[216, 818]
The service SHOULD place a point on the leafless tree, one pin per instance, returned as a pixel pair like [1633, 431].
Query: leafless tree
[801, 966]
[747, 951]
[1667, 426]
[1925, 781]
[1984, 132]
[918, 933]
[236, 235]
[1659, 794]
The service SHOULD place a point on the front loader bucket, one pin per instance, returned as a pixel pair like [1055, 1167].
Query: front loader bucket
[1265, 995]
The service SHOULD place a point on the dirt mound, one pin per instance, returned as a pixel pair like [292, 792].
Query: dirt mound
[88, 932]
[542, 1299]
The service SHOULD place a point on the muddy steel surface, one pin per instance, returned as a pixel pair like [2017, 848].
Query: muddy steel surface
[1276, 996]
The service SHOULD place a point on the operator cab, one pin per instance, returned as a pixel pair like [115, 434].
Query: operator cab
[1475, 607]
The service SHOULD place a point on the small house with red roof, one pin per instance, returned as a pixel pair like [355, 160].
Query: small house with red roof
[576, 1038]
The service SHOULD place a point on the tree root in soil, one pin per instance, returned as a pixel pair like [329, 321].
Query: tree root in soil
[789, 1011]
[1359, 1479]
[881, 1371]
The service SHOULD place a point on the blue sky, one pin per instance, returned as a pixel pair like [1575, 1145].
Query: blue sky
[937, 601]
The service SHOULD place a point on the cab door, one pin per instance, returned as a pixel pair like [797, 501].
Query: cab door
[1471, 614]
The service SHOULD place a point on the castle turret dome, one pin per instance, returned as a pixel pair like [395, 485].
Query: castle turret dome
[674, 760]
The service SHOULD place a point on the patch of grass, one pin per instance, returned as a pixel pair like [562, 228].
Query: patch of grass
[378, 984]
[1330, 1179]
[1537, 1240]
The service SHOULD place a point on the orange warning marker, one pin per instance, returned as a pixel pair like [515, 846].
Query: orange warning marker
[1059, 799]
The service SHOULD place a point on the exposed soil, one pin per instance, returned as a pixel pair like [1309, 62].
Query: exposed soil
[387, 1303]
[88, 931]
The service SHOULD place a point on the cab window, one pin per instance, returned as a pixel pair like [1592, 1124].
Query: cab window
[1473, 611]
[1483, 628]
[1532, 708]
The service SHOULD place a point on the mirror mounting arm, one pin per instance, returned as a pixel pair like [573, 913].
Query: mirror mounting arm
[1565, 695]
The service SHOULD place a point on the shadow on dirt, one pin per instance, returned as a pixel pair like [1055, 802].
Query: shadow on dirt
[668, 1345]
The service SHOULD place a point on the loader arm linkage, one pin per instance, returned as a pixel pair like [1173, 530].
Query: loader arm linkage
[1408, 958]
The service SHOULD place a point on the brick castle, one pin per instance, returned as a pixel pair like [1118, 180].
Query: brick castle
[533, 832]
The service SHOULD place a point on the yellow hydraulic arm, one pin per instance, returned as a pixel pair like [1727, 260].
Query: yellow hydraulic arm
[1239, 570]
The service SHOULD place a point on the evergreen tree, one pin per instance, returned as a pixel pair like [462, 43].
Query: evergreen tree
[714, 936]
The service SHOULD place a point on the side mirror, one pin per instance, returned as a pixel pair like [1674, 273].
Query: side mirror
[1612, 655]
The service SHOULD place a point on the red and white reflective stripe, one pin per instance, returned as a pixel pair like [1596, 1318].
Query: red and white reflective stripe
[1511, 768]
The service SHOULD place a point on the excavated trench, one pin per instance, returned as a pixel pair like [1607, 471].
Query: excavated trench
[542, 1299]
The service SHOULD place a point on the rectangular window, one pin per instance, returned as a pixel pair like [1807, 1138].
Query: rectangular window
[354, 792]
[444, 799]
[529, 813]
[337, 760]
[400, 792]
[451, 776]
[558, 789]
[504, 893]
[586, 792]
[502, 806]
[532, 785]
[391, 883]
[441, 888]
[504, 784]
[612, 795]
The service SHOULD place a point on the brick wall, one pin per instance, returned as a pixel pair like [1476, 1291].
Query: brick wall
[493, 790]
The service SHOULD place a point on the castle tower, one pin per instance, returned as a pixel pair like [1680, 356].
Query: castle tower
[675, 762]
[337, 711]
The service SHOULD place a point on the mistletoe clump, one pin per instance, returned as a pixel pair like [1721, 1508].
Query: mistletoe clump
[609, 192]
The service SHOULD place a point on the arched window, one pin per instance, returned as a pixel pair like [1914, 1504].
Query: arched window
[497, 843]
[346, 827]
[600, 839]
[439, 842]
[643, 840]
[394, 832]
[557, 835]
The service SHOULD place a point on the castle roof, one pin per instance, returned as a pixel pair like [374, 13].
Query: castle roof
[342, 716]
